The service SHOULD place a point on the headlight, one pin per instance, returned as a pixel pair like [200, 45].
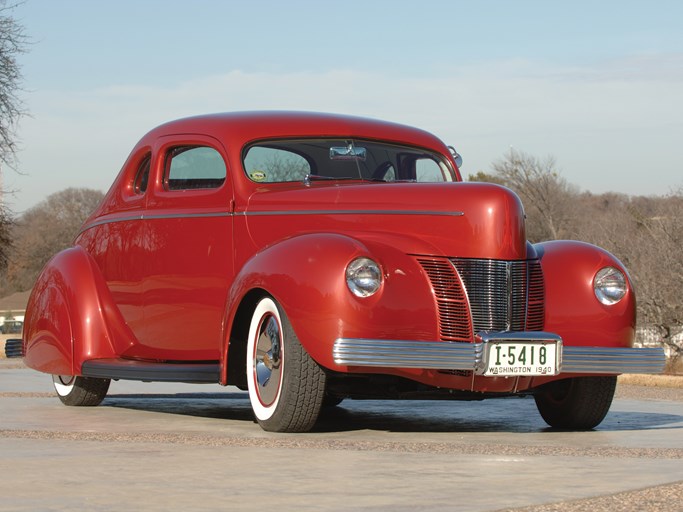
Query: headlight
[609, 285]
[363, 277]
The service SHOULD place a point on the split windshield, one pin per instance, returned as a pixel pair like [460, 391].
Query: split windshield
[342, 159]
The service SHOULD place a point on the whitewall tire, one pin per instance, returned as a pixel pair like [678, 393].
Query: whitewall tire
[80, 391]
[286, 387]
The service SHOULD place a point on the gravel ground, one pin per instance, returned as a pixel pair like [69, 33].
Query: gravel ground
[663, 498]
[631, 392]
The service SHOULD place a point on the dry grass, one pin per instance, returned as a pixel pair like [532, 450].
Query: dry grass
[653, 381]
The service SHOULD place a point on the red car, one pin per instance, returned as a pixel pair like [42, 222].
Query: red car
[309, 258]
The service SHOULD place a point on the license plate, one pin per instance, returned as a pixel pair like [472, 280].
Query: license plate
[520, 359]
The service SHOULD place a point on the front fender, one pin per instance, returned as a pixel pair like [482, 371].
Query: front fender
[306, 275]
[71, 317]
[572, 310]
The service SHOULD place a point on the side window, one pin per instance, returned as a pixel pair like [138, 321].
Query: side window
[194, 167]
[142, 176]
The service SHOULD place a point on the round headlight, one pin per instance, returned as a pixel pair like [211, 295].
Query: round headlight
[609, 285]
[363, 277]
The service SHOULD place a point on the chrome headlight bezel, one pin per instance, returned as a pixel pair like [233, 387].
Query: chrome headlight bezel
[610, 285]
[363, 277]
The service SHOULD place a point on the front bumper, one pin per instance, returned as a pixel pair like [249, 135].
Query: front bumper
[468, 356]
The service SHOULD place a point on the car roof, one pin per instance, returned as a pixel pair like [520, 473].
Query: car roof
[239, 128]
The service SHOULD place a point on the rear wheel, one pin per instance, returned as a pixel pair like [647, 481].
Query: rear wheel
[580, 403]
[80, 391]
[286, 387]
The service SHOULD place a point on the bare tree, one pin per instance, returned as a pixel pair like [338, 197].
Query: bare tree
[657, 266]
[13, 43]
[6, 226]
[46, 229]
[486, 177]
[547, 197]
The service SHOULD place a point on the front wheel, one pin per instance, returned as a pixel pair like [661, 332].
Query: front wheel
[80, 391]
[580, 403]
[286, 387]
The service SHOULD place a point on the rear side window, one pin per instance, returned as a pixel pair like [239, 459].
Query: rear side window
[142, 176]
[194, 167]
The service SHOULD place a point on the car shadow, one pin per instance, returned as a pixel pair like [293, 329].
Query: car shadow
[500, 415]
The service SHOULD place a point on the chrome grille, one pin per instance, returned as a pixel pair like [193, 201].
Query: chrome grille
[503, 295]
[535, 316]
[485, 295]
[454, 318]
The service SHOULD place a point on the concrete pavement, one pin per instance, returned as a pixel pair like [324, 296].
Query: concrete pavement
[192, 447]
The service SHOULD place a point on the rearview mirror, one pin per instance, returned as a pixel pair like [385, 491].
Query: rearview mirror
[349, 152]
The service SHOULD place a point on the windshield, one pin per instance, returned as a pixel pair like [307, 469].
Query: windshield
[338, 159]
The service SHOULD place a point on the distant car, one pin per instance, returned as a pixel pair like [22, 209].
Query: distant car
[12, 327]
[309, 258]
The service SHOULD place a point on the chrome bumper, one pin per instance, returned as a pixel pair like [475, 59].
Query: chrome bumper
[468, 356]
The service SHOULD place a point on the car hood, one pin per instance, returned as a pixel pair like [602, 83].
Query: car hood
[450, 219]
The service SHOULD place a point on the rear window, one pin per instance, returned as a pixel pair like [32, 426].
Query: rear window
[296, 160]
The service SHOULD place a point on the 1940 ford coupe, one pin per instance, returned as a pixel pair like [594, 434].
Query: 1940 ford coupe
[309, 258]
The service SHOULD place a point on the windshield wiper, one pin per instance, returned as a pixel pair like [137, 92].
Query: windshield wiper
[317, 177]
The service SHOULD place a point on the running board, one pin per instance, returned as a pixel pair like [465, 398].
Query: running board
[127, 369]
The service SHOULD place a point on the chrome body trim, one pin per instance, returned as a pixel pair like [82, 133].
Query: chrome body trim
[468, 356]
[349, 212]
[153, 216]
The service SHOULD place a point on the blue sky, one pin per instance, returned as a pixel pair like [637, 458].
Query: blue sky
[598, 85]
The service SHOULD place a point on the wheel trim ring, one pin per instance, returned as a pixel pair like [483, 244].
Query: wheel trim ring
[63, 384]
[267, 366]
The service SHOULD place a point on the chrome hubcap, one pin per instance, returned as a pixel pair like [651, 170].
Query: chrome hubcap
[268, 360]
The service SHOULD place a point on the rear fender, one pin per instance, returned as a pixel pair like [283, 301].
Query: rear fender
[572, 310]
[71, 316]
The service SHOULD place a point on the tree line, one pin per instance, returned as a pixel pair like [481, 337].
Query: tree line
[41, 232]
